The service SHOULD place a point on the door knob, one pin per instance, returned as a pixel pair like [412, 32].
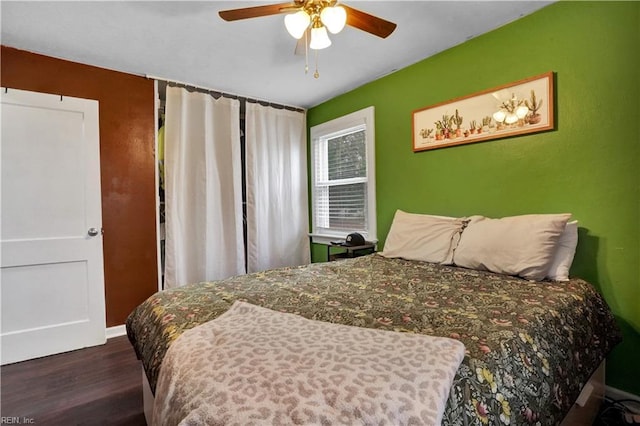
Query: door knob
[92, 232]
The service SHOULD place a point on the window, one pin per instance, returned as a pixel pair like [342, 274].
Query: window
[343, 177]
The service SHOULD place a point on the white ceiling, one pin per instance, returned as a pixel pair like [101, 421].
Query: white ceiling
[186, 41]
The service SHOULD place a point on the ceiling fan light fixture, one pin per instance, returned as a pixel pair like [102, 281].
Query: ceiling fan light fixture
[297, 23]
[319, 38]
[334, 18]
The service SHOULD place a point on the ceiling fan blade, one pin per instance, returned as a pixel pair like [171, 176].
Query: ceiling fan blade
[257, 11]
[369, 23]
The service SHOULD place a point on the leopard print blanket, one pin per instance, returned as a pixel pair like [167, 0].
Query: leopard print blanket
[255, 366]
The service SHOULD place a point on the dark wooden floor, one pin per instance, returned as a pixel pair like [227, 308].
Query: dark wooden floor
[93, 386]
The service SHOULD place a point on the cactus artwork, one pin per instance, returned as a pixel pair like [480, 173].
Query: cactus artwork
[426, 133]
[534, 106]
[525, 106]
[445, 127]
[457, 120]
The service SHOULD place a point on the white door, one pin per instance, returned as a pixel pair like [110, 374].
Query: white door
[51, 276]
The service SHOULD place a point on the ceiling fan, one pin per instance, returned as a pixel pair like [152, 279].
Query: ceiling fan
[312, 19]
[314, 10]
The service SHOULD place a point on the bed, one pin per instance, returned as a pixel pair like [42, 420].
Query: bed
[530, 346]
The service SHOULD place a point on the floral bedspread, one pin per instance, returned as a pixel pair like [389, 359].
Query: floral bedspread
[530, 346]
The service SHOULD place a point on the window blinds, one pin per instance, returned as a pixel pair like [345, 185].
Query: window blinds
[340, 196]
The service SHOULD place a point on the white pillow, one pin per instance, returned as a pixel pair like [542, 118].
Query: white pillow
[517, 245]
[563, 258]
[423, 237]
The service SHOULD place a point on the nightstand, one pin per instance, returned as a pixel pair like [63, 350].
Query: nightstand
[349, 251]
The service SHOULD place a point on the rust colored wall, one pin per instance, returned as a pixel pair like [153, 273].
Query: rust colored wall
[127, 166]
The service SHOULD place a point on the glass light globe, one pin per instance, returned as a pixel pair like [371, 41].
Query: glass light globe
[499, 116]
[319, 38]
[334, 18]
[297, 23]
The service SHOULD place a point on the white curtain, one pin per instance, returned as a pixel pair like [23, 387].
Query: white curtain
[203, 189]
[276, 169]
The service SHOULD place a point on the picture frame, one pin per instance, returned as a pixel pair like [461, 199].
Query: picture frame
[522, 107]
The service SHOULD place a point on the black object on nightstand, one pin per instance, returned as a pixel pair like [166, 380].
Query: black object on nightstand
[349, 251]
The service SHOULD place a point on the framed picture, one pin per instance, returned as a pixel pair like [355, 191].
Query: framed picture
[525, 106]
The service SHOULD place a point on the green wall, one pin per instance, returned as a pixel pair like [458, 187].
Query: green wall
[588, 166]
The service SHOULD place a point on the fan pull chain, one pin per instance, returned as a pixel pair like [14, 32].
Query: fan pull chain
[306, 53]
[316, 74]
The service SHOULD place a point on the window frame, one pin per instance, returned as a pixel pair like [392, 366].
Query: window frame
[333, 128]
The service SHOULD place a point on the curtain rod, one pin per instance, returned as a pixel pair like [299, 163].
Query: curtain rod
[225, 94]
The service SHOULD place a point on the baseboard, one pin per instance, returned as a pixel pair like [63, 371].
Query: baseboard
[617, 394]
[118, 330]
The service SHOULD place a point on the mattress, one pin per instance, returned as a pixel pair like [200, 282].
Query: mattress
[530, 346]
